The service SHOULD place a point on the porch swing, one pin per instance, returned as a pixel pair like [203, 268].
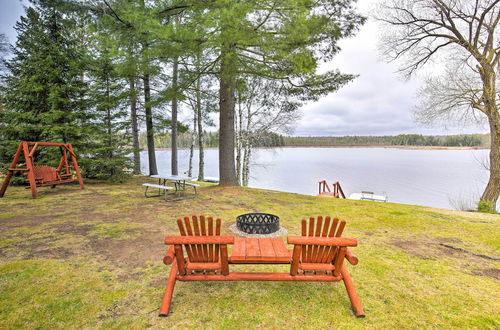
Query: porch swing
[44, 175]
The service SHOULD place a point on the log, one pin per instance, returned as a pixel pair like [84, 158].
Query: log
[351, 257]
[169, 255]
[169, 240]
[260, 277]
[169, 290]
[351, 292]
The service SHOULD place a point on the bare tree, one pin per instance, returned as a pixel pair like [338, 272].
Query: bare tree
[4, 51]
[263, 106]
[421, 31]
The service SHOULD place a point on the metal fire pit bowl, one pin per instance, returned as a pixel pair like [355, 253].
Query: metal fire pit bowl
[258, 223]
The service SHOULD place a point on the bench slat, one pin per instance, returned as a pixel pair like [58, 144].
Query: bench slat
[159, 186]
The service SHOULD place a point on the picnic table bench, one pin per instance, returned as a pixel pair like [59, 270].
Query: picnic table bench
[157, 186]
[178, 190]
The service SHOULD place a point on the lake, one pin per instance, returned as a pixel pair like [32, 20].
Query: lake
[439, 178]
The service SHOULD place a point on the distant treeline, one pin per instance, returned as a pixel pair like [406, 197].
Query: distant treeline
[464, 140]
[211, 139]
[276, 140]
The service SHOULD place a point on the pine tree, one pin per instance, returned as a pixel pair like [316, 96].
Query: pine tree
[109, 151]
[44, 92]
[283, 41]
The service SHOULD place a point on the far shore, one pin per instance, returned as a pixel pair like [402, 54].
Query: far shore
[360, 146]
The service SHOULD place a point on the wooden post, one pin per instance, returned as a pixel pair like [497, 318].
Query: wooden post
[31, 170]
[61, 162]
[223, 260]
[339, 262]
[169, 290]
[179, 255]
[75, 164]
[11, 170]
[351, 291]
[297, 250]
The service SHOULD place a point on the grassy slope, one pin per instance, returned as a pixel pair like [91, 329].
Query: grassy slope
[83, 258]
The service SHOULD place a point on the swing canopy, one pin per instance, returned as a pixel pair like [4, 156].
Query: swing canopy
[44, 175]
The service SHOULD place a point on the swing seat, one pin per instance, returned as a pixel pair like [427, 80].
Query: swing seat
[49, 176]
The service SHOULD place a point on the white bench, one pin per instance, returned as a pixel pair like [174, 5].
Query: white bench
[159, 187]
[194, 185]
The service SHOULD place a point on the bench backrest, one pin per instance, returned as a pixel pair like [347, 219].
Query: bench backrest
[201, 227]
[320, 227]
[206, 249]
[320, 247]
[45, 173]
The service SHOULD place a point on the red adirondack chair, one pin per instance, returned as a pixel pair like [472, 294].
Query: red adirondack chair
[318, 255]
[321, 249]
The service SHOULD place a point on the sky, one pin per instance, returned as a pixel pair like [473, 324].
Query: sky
[378, 102]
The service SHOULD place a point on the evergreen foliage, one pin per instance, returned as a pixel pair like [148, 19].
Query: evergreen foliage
[44, 94]
[109, 147]
[59, 88]
[464, 140]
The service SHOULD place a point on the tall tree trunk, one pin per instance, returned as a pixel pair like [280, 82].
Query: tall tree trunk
[191, 147]
[149, 125]
[245, 172]
[247, 142]
[201, 158]
[135, 126]
[174, 164]
[108, 126]
[150, 135]
[227, 102]
[492, 191]
[239, 143]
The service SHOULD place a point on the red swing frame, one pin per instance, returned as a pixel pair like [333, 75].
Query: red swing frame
[39, 176]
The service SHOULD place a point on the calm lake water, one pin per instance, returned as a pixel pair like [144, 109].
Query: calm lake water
[439, 178]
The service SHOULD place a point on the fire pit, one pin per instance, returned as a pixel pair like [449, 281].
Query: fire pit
[258, 223]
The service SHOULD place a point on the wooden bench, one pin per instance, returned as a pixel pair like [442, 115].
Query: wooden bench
[318, 256]
[159, 187]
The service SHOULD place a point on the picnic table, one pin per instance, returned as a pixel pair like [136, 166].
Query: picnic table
[179, 186]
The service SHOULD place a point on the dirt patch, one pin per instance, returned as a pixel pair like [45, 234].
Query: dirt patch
[7, 224]
[417, 249]
[427, 249]
[68, 228]
[50, 253]
[34, 250]
[490, 272]
[434, 249]
[130, 253]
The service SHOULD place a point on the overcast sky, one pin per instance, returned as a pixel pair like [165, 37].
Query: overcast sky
[378, 102]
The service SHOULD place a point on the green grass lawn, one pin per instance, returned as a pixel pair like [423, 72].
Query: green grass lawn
[93, 258]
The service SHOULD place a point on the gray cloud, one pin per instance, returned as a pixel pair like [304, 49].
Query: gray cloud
[378, 102]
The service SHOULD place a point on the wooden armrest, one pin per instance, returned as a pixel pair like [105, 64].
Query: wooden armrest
[169, 240]
[169, 255]
[328, 241]
[351, 257]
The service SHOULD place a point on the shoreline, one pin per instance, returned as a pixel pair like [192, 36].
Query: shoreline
[353, 146]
